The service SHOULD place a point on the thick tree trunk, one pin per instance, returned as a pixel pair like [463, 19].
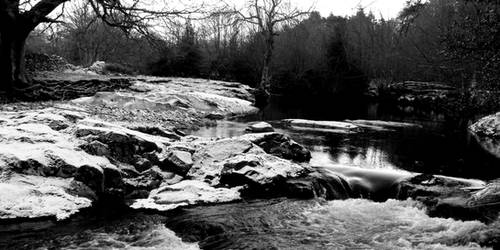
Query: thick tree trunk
[12, 63]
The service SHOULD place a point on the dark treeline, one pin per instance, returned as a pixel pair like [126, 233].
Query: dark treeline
[455, 42]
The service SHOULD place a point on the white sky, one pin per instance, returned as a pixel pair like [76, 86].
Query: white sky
[387, 8]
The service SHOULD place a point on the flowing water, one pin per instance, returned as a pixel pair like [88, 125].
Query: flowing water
[314, 224]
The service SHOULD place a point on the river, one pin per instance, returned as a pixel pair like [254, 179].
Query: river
[436, 148]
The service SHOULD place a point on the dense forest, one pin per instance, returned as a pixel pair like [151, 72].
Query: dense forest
[454, 42]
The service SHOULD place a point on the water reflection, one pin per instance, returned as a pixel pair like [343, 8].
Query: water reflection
[431, 149]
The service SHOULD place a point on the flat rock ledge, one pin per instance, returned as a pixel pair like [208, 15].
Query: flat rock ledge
[179, 102]
[347, 126]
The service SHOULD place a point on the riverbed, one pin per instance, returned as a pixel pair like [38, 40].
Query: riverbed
[432, 147]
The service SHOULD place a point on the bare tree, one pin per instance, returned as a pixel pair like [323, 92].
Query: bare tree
[269, 16]
[18, 18]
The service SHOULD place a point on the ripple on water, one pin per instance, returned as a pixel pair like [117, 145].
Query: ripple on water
[393, 224]
[348, 224]
[122, 231]
[156, 237]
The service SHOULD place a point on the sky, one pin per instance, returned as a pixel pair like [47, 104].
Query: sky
[387, 8]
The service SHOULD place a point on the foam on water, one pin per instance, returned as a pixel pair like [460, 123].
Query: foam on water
[317, 224]
[358, 223]
[156, 237]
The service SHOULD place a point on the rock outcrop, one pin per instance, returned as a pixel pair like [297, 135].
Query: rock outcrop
[425, 94]
[488, 126]
[185, 193]
[487, 133]
[27, 196]
[260, 127]
[60, 160]
[264, 175]
[279, 145]
[454, 197]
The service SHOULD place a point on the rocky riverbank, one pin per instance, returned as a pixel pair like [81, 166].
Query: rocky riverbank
[127, 146]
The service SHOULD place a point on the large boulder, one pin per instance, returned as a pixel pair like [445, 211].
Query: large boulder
[46, 152]
[487, 133]
[208, 160]
[188, 192]
[488, 126]
[122, 143]
[454, 197]
[27, 196]
[263, 175]
[318, 184]
[179, 161]
[280, 145]
[36, 149]
[140, 186]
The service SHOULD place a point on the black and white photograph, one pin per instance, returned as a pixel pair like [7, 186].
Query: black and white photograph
[249, 124]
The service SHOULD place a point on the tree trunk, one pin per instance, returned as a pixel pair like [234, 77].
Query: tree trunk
[262, 95]
[265, 81]
[12, 60]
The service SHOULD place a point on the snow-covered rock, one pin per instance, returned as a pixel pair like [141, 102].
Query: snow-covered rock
[164, 94]
[27, 196]
[279, 145]
[188, 192]
[208, 160]
[262, 173]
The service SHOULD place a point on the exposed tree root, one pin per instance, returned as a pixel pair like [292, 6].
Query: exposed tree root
[59, 90]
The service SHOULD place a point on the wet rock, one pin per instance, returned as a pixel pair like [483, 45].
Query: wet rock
[58, 125]
[96, 148]
[319, 185]
[188, 192]
[454, 197]
[122, 143]
[207, 160]
[487, 133]
[97, 67]
[260, 127]
[413, 93]
[25, 196]
[334, 126]
[157, 131]
[280, 145]
[142, 164]
[215, 116]
[178, 161]
[92, 177]
[147, 181]
[488, 126]
[263, 174]
[382, 125]
[128, 171]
